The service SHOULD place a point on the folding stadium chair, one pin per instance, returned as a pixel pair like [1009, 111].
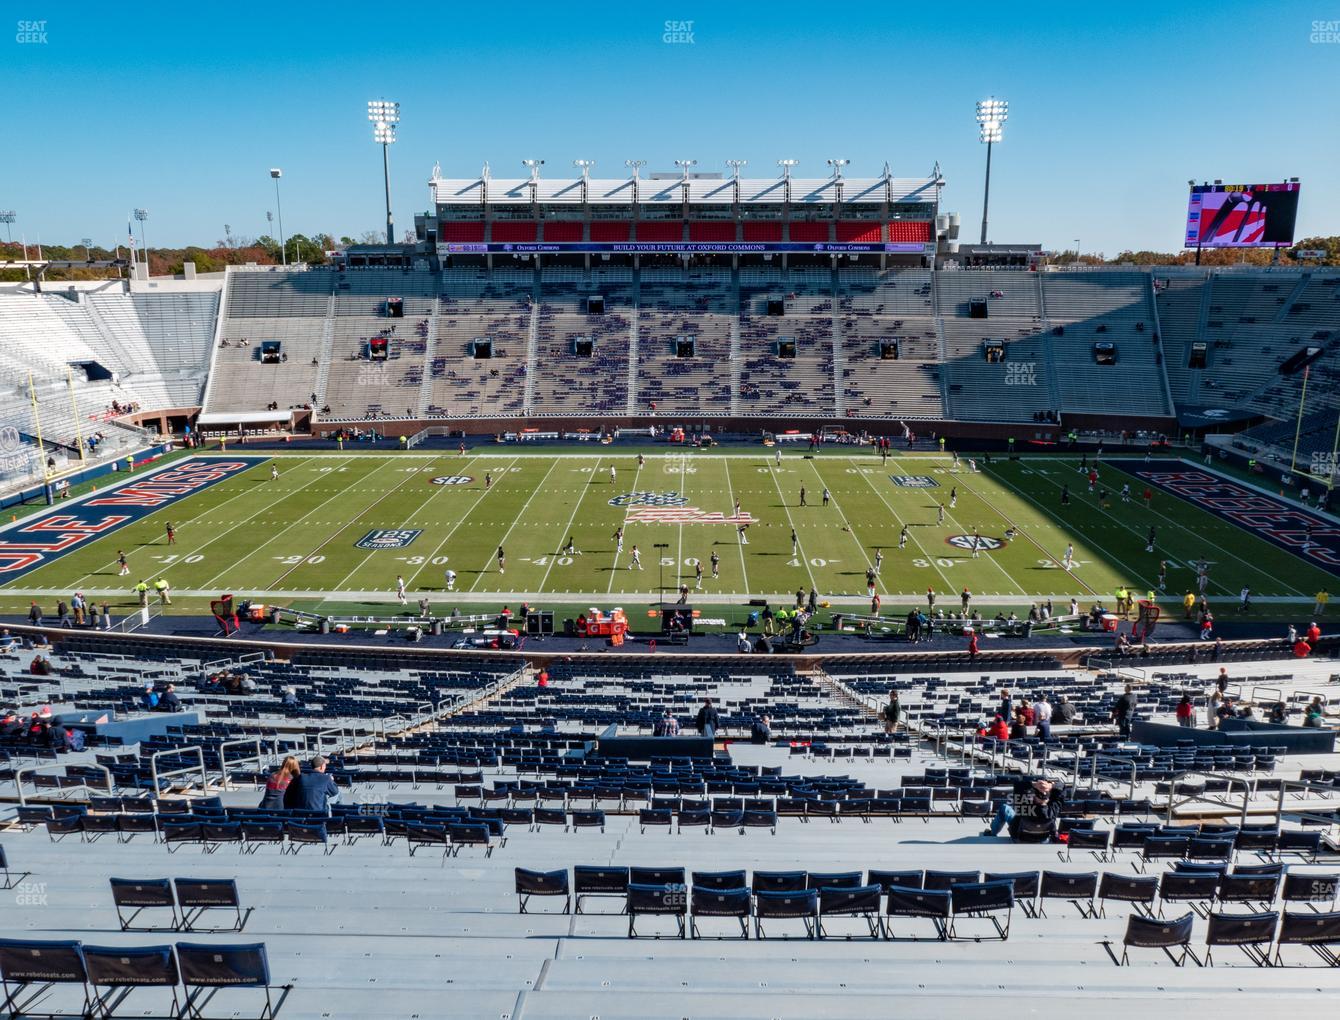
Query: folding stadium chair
[61, 826]
[1310, 889]
[718, 880]
[1318, 931]
[861, 901]
[1024, 885]
[656, 818]
[1095, 841]
[1246, 888]
[1079, 889]
[779, 881]
[472, 834]
[131, 824]
[1298, 843]
[258, 834]
[595, 880]
[1137, 889]
[178, 834]
[11, 878]
[791, 904]
[25, 963]
[197, 895]
[123, 969]
[1196, 889]
[1153, 933]
[668, 900]
[944, 880]
[587, 820]
[934, 905]
[300, 835]
[1214, 850]
[358, 826]
[140, 895]
[833, 879]
[754, 819]
[206, 969]
[725, 820]
[95, 826]
[695, 818]
[542, 883]
[717, 902]
[1162, 848]
[1252, 933]
[982, 900]
[886, 880]
[214, 834]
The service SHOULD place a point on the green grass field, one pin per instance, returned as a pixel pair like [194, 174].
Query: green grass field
[294, 540]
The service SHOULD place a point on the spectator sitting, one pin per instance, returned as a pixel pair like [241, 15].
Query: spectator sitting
[312, 791]
[997, 728]
[1030, 813]
[39, 666]
[149, 699]
[10, 724]
[278, 783]
[8, 642]
[1019, 725]
[1312, 715]
[761, 731]
[1278, 714]
[169, 702]
[290, 699]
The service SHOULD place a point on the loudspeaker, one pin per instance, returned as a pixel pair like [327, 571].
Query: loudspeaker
[977, 309]
[581, 347]
[595, 304]
[533, 624]
[481, 349]
[570, 627]
[685, 347]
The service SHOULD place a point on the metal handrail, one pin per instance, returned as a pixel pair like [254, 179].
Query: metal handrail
[18, 779]
[243, 742]
[200, 753]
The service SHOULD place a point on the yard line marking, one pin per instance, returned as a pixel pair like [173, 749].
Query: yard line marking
[233, 566]
[428, 560]
[730, 493]
[1034, 542]
[519, 517]
[192, 520]
[949, 586]
[351, 521]
[1219, 549]
[860, 549]
[800, 548]
[614, 567]
[955, 521]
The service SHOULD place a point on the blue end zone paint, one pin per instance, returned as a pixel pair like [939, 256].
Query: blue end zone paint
[37, 541]
[1264, 515]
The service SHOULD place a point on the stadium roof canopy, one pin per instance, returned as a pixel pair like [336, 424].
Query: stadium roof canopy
[709, 191]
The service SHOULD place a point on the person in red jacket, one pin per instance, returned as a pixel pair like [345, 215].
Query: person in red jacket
[1301, 650]
[1186, 712]
[972, 644]
[1313, 635]
[998, 729]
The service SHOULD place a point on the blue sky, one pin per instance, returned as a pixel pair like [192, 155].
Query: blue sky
[182, 109]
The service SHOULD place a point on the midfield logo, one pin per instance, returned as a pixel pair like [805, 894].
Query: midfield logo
[388, 538]
[649, 499]
[984, 544]
[914, 481]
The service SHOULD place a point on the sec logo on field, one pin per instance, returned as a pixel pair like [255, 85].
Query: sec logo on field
[984, 542]
[452, 480]
[650, 499]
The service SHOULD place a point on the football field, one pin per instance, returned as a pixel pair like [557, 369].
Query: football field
[338, 528]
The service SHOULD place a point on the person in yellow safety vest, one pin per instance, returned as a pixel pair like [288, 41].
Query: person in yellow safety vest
[161, 586]
[142, 590]
[1188, 604]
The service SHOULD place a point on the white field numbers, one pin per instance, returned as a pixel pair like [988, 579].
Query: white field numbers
[418, 561]
[174, 558]
[940, 562]
[293, 561]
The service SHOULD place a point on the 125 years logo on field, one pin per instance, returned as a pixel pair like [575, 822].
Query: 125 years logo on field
[914, 481]
[388, 538]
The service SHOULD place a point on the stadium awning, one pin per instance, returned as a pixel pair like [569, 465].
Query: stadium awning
[244, 418]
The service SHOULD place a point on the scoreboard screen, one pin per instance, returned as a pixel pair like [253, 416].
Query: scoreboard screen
[1242, 215]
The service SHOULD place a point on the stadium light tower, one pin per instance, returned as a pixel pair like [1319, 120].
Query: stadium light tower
[837, 165]
[277, 173]
[142, 215]
[534, 166]
[584, 165]
[991, 116]
[686, 165]
[385, 116]
[735, 165]
[86, 241]
[7, 217]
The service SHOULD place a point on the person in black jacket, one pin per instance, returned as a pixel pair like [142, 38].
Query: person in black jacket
[708, 719]
[312, 790]
[1031, 812]
[1123, 711]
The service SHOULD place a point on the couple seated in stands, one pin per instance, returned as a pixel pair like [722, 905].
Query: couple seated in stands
[292, 789]
[168, 701]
